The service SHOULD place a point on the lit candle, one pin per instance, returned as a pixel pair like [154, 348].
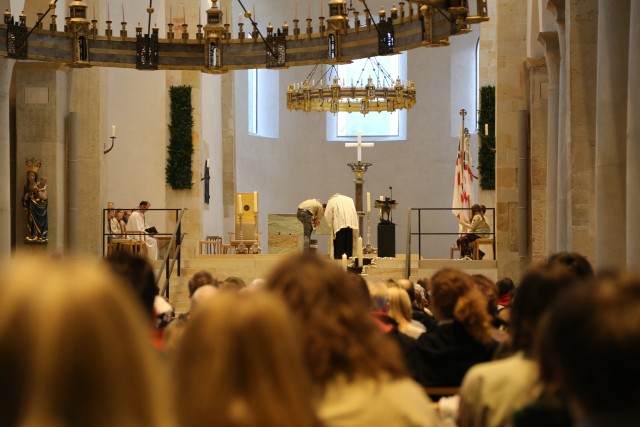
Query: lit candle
[486, 129]
[359, 248]
[207, 163]
[240, 18]
[239, 203]
[368, 202]
[113, 130]
[345, 262]
[255, 201]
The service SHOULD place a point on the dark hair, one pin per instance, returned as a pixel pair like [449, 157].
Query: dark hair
[577, 264]
[201, 278]
[489, 290]
[362, 286]
[137, 272]
[476, 209]
[538, 289]
[505, 285]
[339, 335]
[591, 342]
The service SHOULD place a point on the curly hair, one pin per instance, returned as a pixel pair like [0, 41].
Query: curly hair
[455, 296]
[339, 334]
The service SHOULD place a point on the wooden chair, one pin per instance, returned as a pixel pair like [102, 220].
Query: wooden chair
[135, 243]
[212, 245]
[483, 241]
[452, 249]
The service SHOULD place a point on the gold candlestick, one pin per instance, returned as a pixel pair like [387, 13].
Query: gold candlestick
[241, 249]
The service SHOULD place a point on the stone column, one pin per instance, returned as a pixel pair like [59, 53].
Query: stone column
[6, 71]
[552, 55]
[562, 163]
[611, 138]
[87, 100]
[633, 141]
[536, 180]
[510, 99]
[582, 55]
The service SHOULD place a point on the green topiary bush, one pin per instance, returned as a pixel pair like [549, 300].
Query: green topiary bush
[178, 168]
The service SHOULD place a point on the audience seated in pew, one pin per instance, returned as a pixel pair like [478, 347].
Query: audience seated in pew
[491, 392]
[359, 373]
[463, 337]
[74, 349]
[589, 347]
[240, 363]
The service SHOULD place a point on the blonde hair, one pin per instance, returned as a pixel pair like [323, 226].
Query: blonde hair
[240, 364]
[75, 349]
[400, 307]
[455, 296]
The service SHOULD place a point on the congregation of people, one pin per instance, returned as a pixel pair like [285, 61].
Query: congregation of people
[91, 343]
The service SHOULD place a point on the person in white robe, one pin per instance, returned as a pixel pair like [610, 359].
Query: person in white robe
[342, 218]
[137, 223]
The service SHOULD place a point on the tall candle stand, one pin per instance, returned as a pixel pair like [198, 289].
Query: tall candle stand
[368, 248]
[241, 248]
[255, 248]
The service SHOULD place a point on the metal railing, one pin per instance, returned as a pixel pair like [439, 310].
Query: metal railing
[175, 244]
[420, 233]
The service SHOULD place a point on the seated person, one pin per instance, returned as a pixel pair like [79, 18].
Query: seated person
[463, 337]
[476, 229]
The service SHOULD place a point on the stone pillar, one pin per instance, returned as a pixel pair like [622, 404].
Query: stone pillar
[538, 105]
[582, 55]
[510, 99]
[611, 138]
[87, 100]
[6, 71]
[633, 141]
[228, 150]
[562, 162]
[552, 55]
[41, 106]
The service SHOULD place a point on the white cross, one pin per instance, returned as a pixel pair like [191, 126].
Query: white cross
[359, 145]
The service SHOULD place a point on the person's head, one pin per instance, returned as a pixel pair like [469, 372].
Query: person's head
[339, 335]
[144, 206]
[456, 297]
[577, 264]
[119, 214]
[232, 283]
[240, 363]
[126, 214]
[590, 346]
[136, 272]
[409, 287]
[476, 210]
[399, 306]
[483, 209]
[489, 289]
[202, 294]
[201, 278]
[379, 294]
[75, 349]
[539, 288]
[32, 177]
[505, 286]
